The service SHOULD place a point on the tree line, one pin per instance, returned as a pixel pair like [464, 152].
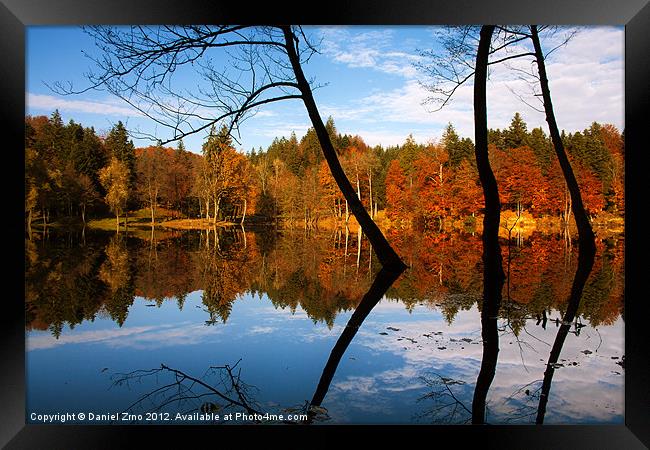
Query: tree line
[71, 170]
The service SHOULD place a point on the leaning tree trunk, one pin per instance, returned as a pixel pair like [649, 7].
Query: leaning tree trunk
[493, 276]
[385, 252]
[586, 256]
[585, 232]
[384, 280]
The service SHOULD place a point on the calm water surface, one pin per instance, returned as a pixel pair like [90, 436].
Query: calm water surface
[104, 312]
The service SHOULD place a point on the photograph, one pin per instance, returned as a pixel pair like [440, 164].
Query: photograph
[394, 221]
[325, 224]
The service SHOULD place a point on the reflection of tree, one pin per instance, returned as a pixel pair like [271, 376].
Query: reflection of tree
[444, 271]
[493, 276]
[539, 281]
[308, 271]
[225, 272]
[61, 283]
[206, 399]
[117, 273]
[602, 297]
[448, 408]
[380, 285]
[165, 268]
[190, 394]
[67, 282]
[585, 264]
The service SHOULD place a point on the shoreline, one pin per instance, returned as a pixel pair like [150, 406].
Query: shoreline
[523, 226]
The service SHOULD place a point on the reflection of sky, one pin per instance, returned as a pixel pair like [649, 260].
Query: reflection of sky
[591, 391]
[379, 378]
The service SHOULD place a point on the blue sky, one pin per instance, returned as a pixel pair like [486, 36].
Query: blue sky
[371, 87]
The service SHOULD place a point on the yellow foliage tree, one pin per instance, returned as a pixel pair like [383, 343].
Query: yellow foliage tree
[115, 179]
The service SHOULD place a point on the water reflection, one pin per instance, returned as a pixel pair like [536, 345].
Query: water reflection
[207, 275]
[585, 264]
[68, 282]
[383, 281]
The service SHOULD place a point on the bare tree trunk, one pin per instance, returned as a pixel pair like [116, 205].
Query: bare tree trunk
[385, 253]
[83, 213]
[359, 235]
[358, 187]
[493, 276]
[585, 232]
[370, 192]
[244, 214]
[117, 218]
[345, 255]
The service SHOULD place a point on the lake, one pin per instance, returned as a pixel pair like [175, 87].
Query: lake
[187, 327]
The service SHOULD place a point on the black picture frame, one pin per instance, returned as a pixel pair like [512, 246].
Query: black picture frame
[15, 15]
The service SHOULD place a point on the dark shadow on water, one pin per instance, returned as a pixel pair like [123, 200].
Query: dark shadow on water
[384, 280]
[586, 254]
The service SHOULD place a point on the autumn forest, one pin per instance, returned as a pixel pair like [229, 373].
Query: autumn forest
[74, 174]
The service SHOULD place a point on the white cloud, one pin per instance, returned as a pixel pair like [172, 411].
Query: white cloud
[280, 128]
[586, 80]
[49, 103]
[368, 49]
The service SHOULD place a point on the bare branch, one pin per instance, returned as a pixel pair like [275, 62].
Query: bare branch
[241, 68]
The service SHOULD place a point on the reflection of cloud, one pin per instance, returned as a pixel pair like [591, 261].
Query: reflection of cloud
[321, 332]
[278, 313]
[181, 334]
[261, 330]
[141, 338]
[49, 341]
[587, 392]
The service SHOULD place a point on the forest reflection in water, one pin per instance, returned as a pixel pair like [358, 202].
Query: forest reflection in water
[72, 279]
